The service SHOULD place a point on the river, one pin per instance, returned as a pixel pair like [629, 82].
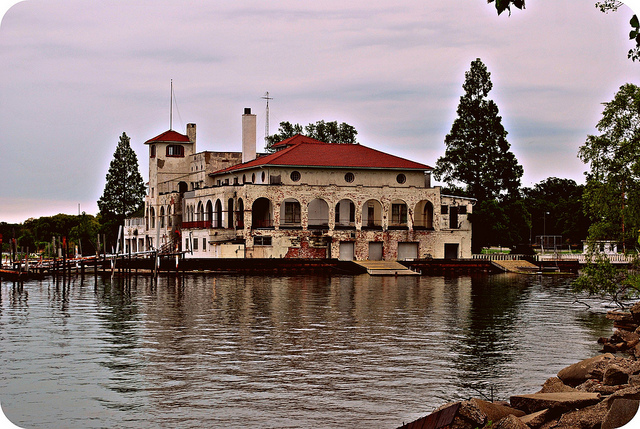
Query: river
[281, 352]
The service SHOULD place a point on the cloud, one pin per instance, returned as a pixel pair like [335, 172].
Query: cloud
[74, 75]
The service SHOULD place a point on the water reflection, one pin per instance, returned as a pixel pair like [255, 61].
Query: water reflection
[324, 351]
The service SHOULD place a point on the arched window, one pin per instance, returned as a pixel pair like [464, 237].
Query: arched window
[161, 217]
[217, 219]
[230, 213]
[152, 216]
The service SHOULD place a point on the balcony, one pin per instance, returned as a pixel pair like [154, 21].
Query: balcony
[199, 224]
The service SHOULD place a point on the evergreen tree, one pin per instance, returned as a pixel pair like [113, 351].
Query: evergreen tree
[124, 191]
[477, 152]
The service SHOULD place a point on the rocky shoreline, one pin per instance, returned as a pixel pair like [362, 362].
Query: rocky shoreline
[602, 392]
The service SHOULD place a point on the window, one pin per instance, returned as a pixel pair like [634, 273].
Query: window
[444, 209]
[264, 176]
[262, 241]
[195, 244]
[291, 212]
[204, 244]
[401, 178]
[253, 178]
[349, 177]
[175, 150]
[153, 151]
[398, 213]
[462, 210]
[295, 176]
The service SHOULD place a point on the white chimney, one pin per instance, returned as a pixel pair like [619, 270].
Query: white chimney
[248, 135]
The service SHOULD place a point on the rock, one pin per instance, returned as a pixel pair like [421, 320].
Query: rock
[615, 375]
[631, 392]
[634, 380]
[580, 372]
[631, 339]
[621, 412]
[458, 415]
[555, 385]
[537, 419]
[594, 386]
[560, 402]
[495, 412]
[620, 316]
[635, 311]
[586, 418]
[510, 422]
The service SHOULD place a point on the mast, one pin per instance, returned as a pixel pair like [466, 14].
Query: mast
[171, 108]
[266, 124]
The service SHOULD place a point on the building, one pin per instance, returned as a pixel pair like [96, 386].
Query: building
[309, 199]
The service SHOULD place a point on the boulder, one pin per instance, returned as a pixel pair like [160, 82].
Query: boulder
[555, 385]
[594, 386]
[615, 375]
[631, 339]
[631, 392]
[510, 422]
[495, 412]
[580, 372]
[537, 419]
[635, 311]
[621, 412]
[557, 402]
[586, 418]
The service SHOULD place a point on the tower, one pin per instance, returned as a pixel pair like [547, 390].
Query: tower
[266, 122]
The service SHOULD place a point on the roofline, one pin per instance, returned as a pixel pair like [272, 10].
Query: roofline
[458, 196]
[216, 173]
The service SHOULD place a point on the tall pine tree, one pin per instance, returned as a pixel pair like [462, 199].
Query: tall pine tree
[124, 191]
[477, 152]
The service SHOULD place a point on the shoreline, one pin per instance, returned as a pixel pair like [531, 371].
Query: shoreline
[600, 392]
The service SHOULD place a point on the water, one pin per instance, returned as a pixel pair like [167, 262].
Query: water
[304, 351]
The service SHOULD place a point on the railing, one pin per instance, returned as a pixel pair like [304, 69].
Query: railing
[615, 258]
[498, 256]
[199, 224]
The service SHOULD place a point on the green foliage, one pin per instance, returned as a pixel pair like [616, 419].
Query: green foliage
[499, 223]
[562, 199]
[605, 6]
[600, 277]
[37, 234]
[124, 190]
[330, 132]
[477, 152]
[502, 5]
[612, 193]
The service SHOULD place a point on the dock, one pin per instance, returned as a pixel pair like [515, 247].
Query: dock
[519, 266]
[386, 268]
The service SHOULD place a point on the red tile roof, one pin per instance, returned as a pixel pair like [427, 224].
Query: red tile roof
[307, 152]
[169, 137]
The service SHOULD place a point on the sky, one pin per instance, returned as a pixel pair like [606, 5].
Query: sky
[76, 74]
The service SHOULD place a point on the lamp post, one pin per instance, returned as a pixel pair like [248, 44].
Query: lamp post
[544, 230]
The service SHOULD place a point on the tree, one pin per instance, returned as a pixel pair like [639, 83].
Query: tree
[330, 132]
[612, 191]
[124, 190]
[605, 6]
[477, 152]
[562, 200]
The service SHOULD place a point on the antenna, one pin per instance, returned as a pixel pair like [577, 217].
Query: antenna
[266, 122]
[171, 108]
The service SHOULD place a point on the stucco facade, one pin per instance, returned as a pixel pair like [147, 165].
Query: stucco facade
[308, 200]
